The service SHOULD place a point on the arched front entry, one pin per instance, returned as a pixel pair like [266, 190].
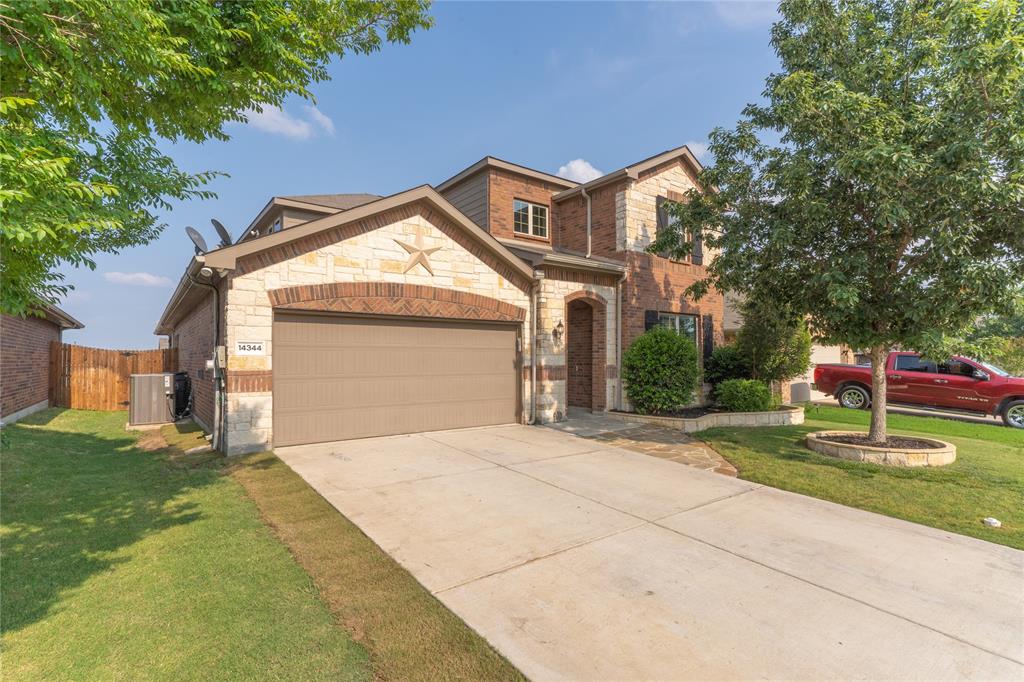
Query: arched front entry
[585, 352]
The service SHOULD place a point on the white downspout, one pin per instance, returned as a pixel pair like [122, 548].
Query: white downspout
[618, 340]
[586, 196]
[534, 292]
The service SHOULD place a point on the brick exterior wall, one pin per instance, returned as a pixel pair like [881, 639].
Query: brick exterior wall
[25, 361]
[395, 298]
[571, 216]
[504, 188]
[623, 224]
[193, 337]
[656, 283]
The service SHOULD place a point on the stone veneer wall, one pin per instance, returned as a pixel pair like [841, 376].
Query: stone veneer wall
[636, 211]
[552, 398]
[370, 254]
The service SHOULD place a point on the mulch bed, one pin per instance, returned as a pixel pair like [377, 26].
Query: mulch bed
[895, 442]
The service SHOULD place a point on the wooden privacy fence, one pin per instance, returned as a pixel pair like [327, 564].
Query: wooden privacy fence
[97, 378]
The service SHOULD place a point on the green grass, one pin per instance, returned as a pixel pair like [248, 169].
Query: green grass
[410, 635]
[124, 557]
[987, 478]
[120, 563]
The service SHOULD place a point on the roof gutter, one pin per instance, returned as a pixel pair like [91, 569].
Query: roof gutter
[184, 285]
[624, 173]
[581, 263]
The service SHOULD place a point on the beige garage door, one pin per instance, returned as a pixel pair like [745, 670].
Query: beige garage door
[339, 377]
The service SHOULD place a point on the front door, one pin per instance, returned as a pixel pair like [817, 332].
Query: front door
[579, 355]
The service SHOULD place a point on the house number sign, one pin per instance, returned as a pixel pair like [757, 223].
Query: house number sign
[250, 348]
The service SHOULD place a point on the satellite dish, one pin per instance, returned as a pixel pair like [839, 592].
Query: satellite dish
[222, 232]
[197, 239]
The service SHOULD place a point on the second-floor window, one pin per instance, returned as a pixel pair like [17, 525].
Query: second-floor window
[667, 220]
[529, 219]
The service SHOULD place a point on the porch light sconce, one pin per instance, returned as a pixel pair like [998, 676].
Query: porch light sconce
[557, 332]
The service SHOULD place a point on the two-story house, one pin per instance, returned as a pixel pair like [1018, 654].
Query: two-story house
[503, 294]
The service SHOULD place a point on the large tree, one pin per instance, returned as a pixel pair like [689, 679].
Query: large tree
[879, 186]
[88, 87]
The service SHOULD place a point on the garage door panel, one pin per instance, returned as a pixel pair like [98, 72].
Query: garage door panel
[342, 377]
[312, 427]
[310, 363]
[391, 391]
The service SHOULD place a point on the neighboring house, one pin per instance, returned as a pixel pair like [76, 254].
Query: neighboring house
[798, 390]
[501, 295]
[25, 361]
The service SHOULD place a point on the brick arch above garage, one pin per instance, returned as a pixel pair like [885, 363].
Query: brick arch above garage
[394, 298]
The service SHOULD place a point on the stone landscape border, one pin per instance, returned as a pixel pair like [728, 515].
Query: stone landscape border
[943, 453]
[786, 417]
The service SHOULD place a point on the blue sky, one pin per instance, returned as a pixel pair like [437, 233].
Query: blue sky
[537, 83]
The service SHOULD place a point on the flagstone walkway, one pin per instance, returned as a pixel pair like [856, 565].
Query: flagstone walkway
[647, 439]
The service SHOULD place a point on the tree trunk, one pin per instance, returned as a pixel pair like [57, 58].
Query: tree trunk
[879, 356]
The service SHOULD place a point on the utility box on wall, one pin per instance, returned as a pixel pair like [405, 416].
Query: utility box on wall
[151, 399]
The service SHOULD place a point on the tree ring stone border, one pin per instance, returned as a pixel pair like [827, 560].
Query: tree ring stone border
[941, 454]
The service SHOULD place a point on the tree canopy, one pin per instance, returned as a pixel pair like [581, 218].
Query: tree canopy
[90, 86]
[878, 187]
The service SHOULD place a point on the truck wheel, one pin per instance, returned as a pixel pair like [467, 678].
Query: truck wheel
[1013, 414]
[854, 397]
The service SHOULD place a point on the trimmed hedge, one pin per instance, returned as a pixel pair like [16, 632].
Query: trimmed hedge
[744, 395]
[660, 372]
[726, 362]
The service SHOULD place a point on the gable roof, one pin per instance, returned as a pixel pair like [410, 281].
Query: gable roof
[342, 202]
[227, 257]
[61, 318]
[492, 162]
[633, 171]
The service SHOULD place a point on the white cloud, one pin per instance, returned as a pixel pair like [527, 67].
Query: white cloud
[279, 122]
[137, 279]
[743, 15]
[579, 170]
[699, 149]
[320, 118]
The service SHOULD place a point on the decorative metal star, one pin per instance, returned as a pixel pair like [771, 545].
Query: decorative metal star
[418, 254]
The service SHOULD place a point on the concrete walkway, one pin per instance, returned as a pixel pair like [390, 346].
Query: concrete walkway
[578, 560]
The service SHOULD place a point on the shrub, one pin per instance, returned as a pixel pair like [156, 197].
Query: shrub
[744, 395]
[660, 372]
[726, 362]
[775, 342]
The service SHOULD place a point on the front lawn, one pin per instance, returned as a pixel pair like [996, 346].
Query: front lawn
[987, 478]
[122, 562]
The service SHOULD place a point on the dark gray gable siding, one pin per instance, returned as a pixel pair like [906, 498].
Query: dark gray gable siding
[470, 197]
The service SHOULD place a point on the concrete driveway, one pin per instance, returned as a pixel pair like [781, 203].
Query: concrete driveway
[582, 561]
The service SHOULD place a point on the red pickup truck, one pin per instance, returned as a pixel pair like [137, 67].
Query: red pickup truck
[957, 384]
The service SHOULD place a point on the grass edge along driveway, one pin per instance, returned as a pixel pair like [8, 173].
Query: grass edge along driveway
[987, 478]
[120, 561]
